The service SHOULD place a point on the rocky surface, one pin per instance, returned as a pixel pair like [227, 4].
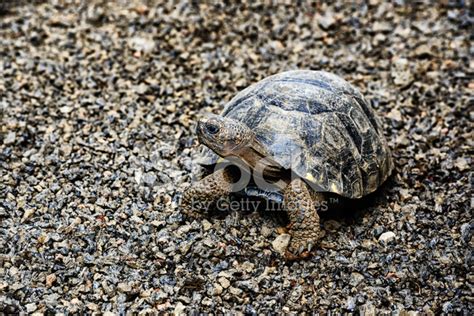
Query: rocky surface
[98, 103]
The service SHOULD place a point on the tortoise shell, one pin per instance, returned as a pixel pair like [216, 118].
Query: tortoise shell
[319, 126]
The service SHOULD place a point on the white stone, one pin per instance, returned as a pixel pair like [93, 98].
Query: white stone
[235, 291]
[30, 308]
[356, 278]
[387, 237]
[179, 309]
[280, 244]
[218, 289]
[206, 225]
[266, 231]
[142, 44]
[10, 139]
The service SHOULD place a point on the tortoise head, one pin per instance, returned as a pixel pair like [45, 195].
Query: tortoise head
[225, 136]
[228, 137]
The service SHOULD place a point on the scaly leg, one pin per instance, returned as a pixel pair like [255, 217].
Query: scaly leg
[304, 219]
[201, 195]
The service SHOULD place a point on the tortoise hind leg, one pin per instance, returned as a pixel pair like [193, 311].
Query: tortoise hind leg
[304, 219]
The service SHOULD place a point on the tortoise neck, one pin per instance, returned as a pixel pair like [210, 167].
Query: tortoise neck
[256, 156]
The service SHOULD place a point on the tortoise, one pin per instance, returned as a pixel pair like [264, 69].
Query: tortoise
[308, 133]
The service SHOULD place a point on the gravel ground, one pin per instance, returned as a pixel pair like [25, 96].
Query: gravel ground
[98, 104]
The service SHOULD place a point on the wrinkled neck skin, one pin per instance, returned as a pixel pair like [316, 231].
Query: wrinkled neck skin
[255, 156]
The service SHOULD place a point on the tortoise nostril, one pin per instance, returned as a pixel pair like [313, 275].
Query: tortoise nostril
[199, 127]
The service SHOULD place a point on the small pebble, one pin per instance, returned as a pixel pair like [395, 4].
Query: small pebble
[387, 237]
[50, 279]
[179, 309]
[281, 242]
[224, 282]
[356, 278]
[30, 308]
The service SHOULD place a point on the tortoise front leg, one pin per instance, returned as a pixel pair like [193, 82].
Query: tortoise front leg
[304, 219]
[201, 195]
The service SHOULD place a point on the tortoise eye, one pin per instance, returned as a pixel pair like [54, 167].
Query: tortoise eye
[212, 129]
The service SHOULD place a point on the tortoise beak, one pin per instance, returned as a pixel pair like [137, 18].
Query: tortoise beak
[200, 129]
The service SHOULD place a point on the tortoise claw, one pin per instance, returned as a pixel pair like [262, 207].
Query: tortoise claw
[299, 251]
[292, 257]
[305, 255]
